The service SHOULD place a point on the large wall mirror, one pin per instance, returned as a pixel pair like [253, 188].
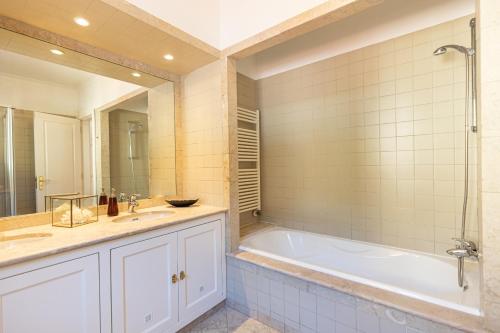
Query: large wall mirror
[71, 123]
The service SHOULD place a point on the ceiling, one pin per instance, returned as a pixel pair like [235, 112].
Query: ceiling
[138, 103]
[21, 65]
[36, 49]
[128, 31]
[390, 19]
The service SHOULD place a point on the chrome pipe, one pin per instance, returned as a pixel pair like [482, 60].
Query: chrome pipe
[465, 248]
[472, 25]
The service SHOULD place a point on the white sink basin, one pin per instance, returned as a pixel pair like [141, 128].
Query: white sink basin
[144, 217]
[9, 242]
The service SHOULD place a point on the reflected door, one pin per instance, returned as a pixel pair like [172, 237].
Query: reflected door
[58, 164]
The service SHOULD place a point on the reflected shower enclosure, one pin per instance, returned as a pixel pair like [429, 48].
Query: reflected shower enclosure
[135, 143]
[128, 151]
[17, 164]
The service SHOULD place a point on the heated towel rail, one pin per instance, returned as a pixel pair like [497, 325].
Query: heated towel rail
[248, 160]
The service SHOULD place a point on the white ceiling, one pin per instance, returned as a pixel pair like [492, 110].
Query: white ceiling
[137, 103]
[223, 23]
[388, 20]
[27, 67]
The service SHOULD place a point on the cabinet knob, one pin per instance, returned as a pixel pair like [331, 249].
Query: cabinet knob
[174, 278]
[182, 275]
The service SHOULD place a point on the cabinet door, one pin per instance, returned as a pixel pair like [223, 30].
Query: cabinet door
[58, 299]
[143, 294]
[200, 259]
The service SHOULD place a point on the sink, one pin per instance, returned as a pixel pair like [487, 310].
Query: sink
[144, 217]
[8, 242]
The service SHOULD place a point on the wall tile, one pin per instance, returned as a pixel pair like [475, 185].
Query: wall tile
[335, 311]
[384, 119]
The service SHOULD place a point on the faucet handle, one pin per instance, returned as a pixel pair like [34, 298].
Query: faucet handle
[121, 197]
[134, 196]
[468, 244]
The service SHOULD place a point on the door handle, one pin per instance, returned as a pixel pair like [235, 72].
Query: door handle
[41, 183]
[182, 275]
[174, 279]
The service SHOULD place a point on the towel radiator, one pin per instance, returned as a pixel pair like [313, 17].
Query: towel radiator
[248, 160]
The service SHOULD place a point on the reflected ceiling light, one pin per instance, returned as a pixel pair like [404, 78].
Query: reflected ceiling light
[135, 74]
[81, 21]
[56, 52]
[168, 57]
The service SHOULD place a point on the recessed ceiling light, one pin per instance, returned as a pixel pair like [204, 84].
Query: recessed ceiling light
[168, 57]
[81, 21]
[135, 74]
[56, 52]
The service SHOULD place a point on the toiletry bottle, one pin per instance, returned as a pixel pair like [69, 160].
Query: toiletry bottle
[103, 198]
[112, 204]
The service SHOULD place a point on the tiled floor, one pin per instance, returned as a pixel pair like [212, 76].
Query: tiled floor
[227, 320]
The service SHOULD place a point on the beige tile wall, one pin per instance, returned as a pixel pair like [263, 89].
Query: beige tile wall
[489, 97]
[161, 141]
[247, 92]
[201, 132]
[369, 145]
[121, 177]
[161, 111]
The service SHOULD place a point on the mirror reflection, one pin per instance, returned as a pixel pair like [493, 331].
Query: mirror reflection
[67, 130]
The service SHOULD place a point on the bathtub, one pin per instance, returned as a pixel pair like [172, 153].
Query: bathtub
[423, 276]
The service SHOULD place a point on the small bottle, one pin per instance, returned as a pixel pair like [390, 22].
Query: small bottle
[103, 198]
[113, 204]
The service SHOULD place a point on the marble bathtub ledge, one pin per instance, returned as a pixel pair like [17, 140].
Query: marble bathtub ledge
[67, 239]
[425, 310]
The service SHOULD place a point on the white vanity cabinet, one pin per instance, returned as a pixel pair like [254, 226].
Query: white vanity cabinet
[155, 281]
[161, 284]
[60, 298]
[143, 292]
[200, 269]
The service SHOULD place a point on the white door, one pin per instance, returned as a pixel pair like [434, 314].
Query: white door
[58, 299]
[143, 294]
[58, 156]
[200, 264]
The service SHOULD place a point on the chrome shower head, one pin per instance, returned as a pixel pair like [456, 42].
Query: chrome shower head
[135, 126]
[439, 51]
[462, 49]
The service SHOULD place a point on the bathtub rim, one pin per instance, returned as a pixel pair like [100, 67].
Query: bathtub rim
[473, 311]
[390, 247]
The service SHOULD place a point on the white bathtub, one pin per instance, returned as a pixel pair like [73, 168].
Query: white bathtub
[419, 275]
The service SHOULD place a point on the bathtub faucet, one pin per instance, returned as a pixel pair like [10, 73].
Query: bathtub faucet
[464, 249]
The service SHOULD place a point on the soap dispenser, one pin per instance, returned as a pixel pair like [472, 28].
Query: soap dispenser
[112, 204]
[103, 198]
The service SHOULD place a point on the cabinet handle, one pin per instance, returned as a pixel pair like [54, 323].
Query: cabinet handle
[182, 275]
[174, 278]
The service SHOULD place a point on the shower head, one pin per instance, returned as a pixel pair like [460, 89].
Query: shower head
[135, 126]
[462, 49]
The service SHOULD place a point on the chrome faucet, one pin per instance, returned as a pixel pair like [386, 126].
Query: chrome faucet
[463, 249]
[132, 202]
[122, 197]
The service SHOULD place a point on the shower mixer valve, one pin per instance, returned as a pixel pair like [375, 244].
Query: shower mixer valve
[464, 249]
